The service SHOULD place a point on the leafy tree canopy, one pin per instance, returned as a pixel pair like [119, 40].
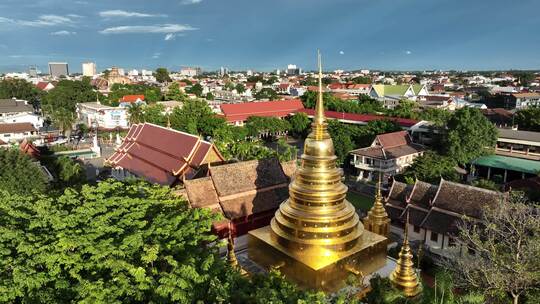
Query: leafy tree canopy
[196, 89]
[469, 135]
[430, 167]
[21, 89]
[174, 93]
[196, 117]
[528, 119]
[266, 126]
[299, 124]
[19, 174]
[266, 93]
[151, 93]
[162, 75]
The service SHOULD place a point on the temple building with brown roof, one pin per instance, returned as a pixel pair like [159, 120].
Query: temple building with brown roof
[161, 155]
[246, 193]
[436, 211]
[388, 155]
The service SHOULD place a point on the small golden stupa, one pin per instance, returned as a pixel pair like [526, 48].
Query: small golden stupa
[404, 276]
[316, 237]
[377, 220]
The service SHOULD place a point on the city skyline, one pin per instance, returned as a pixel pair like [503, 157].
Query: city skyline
[262, 36]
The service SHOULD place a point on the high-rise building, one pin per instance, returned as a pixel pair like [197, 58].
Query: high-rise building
[32, 71]
[223, 71]
[189, 71]
[89, 69]
[293, 70]
[57, 69]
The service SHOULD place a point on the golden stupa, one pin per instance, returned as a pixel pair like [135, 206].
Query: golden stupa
[377, 220]
[316, 238]
[404, 276]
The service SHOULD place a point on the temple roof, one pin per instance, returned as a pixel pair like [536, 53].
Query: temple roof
[159, 154]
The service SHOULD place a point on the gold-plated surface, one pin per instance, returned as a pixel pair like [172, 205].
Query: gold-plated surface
[231, 256]
[377, 220]
[404, 276]
[316, 232]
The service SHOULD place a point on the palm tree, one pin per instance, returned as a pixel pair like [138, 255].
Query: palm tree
[136, 113]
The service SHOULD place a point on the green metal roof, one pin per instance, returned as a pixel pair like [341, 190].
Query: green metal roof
[386, 90]
[509, 163]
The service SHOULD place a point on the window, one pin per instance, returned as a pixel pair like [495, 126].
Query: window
[416, 229]
[434, 237]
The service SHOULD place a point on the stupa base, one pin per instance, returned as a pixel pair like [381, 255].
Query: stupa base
[309, 269]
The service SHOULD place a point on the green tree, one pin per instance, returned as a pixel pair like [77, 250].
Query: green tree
[136, 113]
[162, 75]
[342, 135]
[469, 135]
[196, 117]
[430, 167]
[60, 103]
[210, 96]
[266, 93]
[66, 171]
[240, 88]
[154, 114]
[151, 94]
[268, 127]
[486, 184]
[405, 109]
[196, 89]
[21, 89]
[19, 174]
[528, 119]
[300, 124]
[112, 243]
[174, 93]
[506, 250]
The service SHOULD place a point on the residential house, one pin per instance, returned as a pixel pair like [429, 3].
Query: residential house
[353, 89]
[128, 100]
[162, 155]
[14, 107]
[388, 155]
[94, 114]
[391, 95]
[523, 100]
[436, 212]
[17, 132]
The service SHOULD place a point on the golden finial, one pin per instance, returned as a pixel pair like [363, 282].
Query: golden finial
[319, 107]
[404, 276]
[231, 256]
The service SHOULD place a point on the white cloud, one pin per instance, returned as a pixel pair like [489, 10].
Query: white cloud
[169, 36]
[341, 52]
[43, 20]
[408, 52]
[126, 14]
[154, 29]
[63, 33]
[187, 2]
[156, 55]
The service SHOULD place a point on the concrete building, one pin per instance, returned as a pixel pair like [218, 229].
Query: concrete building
[95, 114]
[89, 69]
[388, 155]
[17, 132]
[293, 70]
[57, 69]
[520, 144]
[190, 72]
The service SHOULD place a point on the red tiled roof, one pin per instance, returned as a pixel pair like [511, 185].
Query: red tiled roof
[362, 118]
[132, 98]
[241, 111]
[29, 149]
[18, 127]
[42, 85]
[394, 139]
[159, 154]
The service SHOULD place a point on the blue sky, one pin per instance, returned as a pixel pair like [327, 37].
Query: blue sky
[269, 34]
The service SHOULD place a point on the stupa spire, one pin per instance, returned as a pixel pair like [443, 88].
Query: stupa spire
[404, 276]
[319, 107]
[377, 220]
